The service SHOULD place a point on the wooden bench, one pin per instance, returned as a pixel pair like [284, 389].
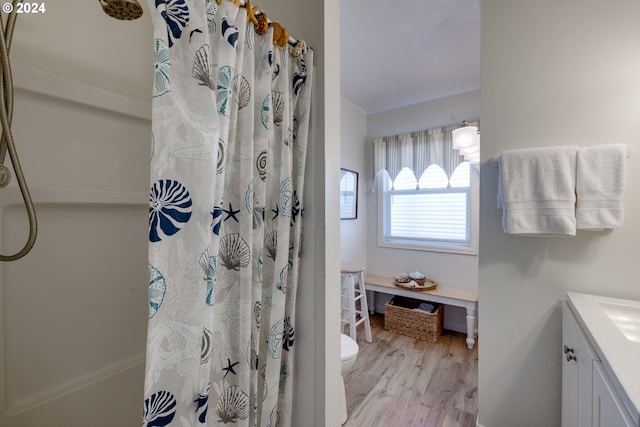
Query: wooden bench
[467, 298]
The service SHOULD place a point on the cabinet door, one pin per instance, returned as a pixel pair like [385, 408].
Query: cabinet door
[577, 360]
[607, 409]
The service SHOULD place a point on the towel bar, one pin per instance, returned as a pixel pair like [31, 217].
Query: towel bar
[495, 160]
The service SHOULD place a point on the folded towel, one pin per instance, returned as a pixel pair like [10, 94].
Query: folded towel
[600, 179]
[425, 306]
[537, 191]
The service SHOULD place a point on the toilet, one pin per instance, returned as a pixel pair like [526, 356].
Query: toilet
[348, 355]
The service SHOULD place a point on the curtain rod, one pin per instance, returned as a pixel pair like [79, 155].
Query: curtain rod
[243, 3]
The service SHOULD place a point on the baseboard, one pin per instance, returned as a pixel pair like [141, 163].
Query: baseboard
[478, 422]
[455, 326]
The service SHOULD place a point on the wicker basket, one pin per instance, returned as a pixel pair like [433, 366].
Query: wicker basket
[401, 317]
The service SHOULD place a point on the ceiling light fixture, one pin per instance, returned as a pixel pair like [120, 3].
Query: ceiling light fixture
[466, 139]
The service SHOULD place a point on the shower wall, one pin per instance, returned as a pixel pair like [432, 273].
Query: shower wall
[74, 310]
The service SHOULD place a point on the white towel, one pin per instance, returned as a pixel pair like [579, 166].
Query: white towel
[537, 191]
[601, 171]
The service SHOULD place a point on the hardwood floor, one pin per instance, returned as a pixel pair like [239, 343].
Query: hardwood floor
[398, 381]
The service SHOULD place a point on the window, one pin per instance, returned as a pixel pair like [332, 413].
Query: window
[348, 194]
[432, 213]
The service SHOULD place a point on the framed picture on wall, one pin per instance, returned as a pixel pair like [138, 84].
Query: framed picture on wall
[348, 194]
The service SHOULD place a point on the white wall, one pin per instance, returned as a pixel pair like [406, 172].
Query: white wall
[327, 283]
[450, 269]
[353, 233]
[553, 73]
[456, 270]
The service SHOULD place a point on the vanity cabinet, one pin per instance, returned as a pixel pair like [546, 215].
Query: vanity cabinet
[588, 395]
[607, 410]
[577, 367]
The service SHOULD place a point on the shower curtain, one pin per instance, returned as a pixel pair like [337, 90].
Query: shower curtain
[230, 127]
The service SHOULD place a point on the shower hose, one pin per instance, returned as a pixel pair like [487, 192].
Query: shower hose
[7, 143]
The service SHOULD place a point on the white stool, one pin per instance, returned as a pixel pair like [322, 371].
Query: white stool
[350, 294]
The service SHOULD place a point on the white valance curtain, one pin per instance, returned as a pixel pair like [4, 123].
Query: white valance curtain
[416, 151]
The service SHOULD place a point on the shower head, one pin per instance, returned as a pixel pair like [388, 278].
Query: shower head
[125, 10]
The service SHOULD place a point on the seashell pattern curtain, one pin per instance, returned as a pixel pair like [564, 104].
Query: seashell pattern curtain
[230, 128]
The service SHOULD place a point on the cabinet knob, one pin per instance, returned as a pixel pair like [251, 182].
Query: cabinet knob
[569, 353]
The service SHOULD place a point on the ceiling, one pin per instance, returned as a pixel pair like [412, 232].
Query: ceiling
[392, 53]
[395, 54]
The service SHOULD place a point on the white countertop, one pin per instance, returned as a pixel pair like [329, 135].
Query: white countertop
[619, 355]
